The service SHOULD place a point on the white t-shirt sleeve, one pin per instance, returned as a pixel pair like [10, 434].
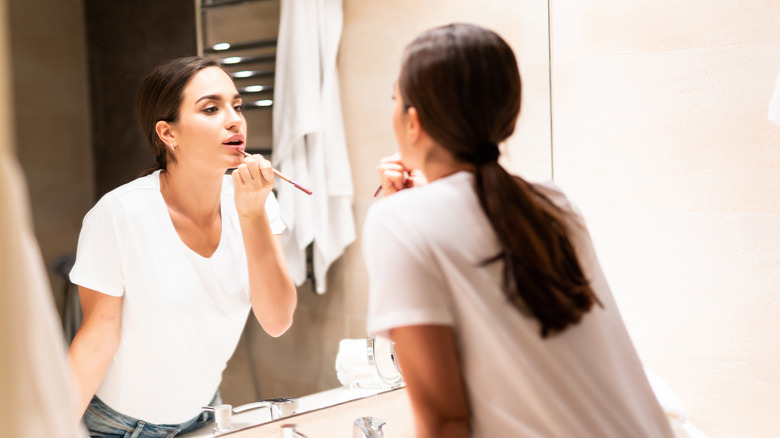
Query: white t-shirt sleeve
[98, 265]
[406, 287]
[274, 216]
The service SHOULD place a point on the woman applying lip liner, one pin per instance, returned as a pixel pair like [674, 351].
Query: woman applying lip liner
[169, 265]
[489, 285]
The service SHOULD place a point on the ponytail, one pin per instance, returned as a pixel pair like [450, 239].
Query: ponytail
[160, 162]
[542, 276]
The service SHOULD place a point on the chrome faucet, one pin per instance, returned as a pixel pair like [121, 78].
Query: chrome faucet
[368, 427]
[279, 407]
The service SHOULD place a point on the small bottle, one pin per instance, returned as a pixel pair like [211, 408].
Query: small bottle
[222, 414]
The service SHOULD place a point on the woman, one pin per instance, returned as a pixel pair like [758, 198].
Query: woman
[169, 264]
[489, 285]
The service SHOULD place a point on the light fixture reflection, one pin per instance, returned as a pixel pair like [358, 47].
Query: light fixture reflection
[220, 46]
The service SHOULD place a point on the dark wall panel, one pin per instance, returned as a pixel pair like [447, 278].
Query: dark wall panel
[125, 40]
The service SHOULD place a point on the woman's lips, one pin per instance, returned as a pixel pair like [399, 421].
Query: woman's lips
[236, 144]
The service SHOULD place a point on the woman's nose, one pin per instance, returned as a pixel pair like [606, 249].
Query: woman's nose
[234, 118]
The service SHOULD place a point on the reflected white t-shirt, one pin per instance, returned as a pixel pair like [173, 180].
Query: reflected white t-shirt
[182, 314]
[423, 249]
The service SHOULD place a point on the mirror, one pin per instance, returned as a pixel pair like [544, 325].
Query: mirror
[52, 65]
[659, 132]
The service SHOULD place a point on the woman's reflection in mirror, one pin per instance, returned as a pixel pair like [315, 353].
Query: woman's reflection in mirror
[169, 265]
[488, 284]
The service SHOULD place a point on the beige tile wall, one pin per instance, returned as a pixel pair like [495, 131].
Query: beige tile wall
[660, 133]
[52, 122]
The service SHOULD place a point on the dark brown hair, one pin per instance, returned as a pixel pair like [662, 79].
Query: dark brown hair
[464, 82]
[159, 98]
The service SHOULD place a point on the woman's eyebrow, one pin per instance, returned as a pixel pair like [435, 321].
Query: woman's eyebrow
[216, 97]
[209, 97]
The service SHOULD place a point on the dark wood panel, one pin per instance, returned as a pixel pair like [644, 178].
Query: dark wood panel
[125, 40]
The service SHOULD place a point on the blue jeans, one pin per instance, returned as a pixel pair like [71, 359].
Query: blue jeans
[104, 422]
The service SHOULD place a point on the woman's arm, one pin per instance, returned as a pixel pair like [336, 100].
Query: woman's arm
[95, 342]
[429, 361]
[272, 292]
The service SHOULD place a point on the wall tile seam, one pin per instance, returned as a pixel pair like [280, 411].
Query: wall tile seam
[583, 57]
[588, 209]
[699, 372]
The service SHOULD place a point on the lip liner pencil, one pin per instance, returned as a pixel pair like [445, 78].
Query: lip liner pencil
[282, 176]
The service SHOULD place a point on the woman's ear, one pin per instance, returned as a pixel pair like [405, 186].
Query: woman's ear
[165, 133]
[413, 127]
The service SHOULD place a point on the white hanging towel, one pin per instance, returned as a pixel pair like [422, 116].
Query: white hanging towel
[774, 104]
[308, 132]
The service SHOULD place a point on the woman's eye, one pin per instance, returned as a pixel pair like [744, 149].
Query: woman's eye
[239, 107]
[210, 109]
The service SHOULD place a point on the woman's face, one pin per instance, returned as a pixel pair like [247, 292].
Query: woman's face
[399, 123]
[211, 130]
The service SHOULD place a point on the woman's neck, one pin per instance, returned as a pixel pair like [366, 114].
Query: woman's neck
[440, 163]
[192, 194]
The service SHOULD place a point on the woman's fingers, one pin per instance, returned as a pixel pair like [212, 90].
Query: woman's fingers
[256, 168]
[395, 176]
[416, 179]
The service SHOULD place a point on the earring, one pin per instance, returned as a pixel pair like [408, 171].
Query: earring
[173, 146]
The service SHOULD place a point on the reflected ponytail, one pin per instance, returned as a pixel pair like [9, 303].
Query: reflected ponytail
[464, 83]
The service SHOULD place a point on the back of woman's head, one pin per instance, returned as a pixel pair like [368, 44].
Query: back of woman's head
[464, 83]
[160, 97]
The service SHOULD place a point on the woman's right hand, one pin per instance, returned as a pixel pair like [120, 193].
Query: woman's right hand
[396, 177]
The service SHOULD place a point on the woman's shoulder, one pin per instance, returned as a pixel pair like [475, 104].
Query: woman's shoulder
[556, 195]
[421, 207]
[132, 195]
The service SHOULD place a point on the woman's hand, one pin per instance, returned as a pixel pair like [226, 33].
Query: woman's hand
[396, 177]
[253, 180]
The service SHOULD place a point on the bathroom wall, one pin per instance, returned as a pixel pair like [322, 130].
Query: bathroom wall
[302, 361]
[660, 133]
[51, 119]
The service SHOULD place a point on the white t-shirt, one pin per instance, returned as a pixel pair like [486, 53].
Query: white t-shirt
[182, 314]
[423, 248]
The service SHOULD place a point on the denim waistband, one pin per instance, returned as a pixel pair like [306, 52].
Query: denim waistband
[104, 422]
